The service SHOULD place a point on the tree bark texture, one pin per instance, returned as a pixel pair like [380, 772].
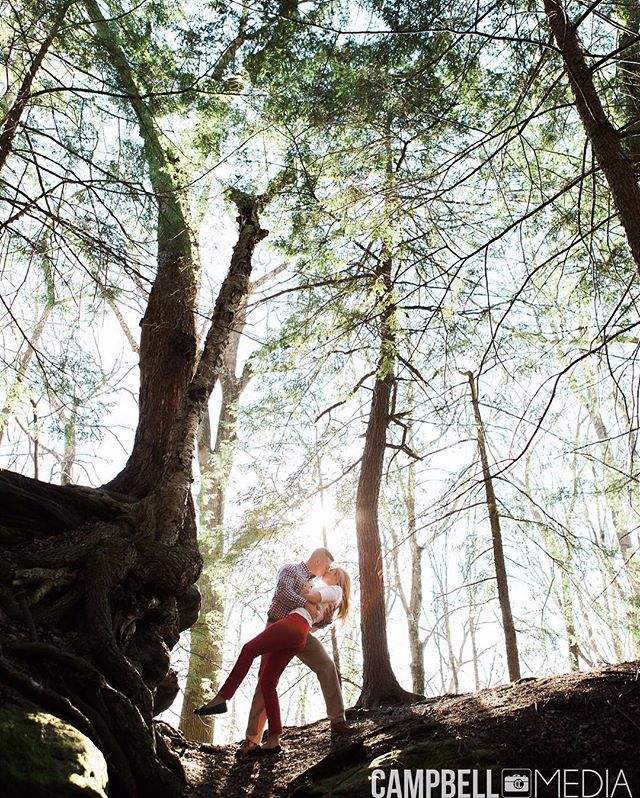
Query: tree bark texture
[379, 684]
[604, 138]
[90, 606]
[175, 484]
[511, 642]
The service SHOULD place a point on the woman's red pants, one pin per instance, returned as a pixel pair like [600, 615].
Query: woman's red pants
[278, 644]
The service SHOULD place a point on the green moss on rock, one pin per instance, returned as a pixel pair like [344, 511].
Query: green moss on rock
[41, 756]
[436, 755]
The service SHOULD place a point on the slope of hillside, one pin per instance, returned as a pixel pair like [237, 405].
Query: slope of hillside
[584, 725]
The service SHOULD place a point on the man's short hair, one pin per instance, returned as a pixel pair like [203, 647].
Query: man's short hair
[323, 553]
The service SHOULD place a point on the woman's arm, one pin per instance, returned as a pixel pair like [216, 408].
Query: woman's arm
[327, 593]
[313, 597]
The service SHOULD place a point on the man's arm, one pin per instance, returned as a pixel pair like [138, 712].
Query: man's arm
[327, 620]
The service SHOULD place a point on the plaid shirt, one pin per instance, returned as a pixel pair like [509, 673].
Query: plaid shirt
[291, 578]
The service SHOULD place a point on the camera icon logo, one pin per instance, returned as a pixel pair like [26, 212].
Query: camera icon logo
[516, 783]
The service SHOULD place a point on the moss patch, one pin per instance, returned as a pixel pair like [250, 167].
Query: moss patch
[436, 755]
[41, 756]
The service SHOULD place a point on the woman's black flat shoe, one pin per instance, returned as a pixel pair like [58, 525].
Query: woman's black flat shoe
[216, 709]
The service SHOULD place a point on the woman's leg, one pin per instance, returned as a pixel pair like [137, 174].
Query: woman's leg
[276, 662]
[284, 634]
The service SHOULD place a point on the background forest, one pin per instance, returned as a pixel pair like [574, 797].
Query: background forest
[438, 352]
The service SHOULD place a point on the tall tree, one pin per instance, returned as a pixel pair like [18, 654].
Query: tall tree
[502, 581]
[168, 336]
[605, 140]
[379, 683]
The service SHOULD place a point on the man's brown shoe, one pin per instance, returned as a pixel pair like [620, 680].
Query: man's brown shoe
[247, 747]
[342, 728]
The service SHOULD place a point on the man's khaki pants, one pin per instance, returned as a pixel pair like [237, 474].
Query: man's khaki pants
[315, 657]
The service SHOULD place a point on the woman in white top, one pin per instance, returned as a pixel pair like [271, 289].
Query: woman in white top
[279, 643]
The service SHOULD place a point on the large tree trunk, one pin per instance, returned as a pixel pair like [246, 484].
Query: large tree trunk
[95, 587]
[168, 335]
[379, 684]
[604, 138]
[508, 628]
[629, 73]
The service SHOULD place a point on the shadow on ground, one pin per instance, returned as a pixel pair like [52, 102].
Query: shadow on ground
[577, 721]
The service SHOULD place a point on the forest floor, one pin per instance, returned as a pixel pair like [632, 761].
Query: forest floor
[588, 720]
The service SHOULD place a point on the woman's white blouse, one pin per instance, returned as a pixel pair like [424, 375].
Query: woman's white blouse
[329, 594]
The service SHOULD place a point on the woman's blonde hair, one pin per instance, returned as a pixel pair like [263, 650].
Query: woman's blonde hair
[344, 581]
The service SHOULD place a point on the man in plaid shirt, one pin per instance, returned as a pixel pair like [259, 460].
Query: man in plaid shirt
[290, 581]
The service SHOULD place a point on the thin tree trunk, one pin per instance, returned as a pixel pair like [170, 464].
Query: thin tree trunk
[379, 684]
[511, 643]
[36, 442]
[412, 606]
[564, 563]
[301, 711]
[23, 364]
[453, 662]
[474, 642]
[605, 140]
[596, 655]
[335, 650]
[622, 527]
[569, 622]
[415, 596]
[216, 463]
[11, 120]
[69, 456]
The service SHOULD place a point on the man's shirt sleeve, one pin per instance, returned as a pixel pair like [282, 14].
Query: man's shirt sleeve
[288, 586]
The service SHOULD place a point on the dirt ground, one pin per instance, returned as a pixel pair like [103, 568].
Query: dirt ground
[584, 720]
